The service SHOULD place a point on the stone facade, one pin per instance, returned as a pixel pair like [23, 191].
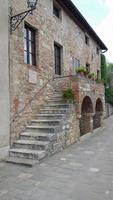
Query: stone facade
[27, 95]
[4, 79]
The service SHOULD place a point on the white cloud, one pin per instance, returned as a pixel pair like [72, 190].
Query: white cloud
[109, 4]
[105, 29]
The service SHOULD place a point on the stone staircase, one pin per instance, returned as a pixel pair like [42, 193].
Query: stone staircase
[40, 139]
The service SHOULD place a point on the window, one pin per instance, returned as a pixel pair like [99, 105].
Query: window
[86, 39]
[97, 51]
[75, 65]
[57, 57]
[29, 45]
[56, 11]
[87, 67]
[98, 74]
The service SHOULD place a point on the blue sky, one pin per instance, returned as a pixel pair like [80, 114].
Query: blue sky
[92, 10]
[99, 14]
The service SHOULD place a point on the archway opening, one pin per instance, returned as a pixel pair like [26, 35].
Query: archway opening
[86, 111]
[98, 114]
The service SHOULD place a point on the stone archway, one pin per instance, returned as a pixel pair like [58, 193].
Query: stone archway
[97, 119]
[86, 116]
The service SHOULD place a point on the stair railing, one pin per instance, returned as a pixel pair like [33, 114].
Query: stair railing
[17, 114]
[29, 102]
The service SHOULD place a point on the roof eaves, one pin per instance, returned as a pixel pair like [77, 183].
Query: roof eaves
[81, 21]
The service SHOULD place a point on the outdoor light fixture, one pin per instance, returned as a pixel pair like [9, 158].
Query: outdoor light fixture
[17, 19]
[32, 3]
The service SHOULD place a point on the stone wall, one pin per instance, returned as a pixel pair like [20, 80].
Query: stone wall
[90, 118]
[4, 79]
[109, 110]
[68, 132]
[49, 29]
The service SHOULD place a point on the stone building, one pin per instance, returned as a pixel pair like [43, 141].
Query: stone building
[4, 79]
[45, 51]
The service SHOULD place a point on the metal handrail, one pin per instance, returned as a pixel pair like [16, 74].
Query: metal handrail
[23, 109]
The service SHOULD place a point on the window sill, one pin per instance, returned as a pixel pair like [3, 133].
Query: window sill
[31, 66]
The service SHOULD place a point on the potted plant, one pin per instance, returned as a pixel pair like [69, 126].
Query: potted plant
[81, 70]
[92, 76]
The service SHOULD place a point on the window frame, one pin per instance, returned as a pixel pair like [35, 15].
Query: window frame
[58, 9]
[58, 63]
[29, 45]
[87, 39]
[75, 65]
[97, 50]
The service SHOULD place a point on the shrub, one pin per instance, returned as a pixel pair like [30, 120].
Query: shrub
[68, 94]
[100, 81]
[109, 95]
[92, 75]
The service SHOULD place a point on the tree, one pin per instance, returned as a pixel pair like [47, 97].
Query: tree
[110, 75]
[109, 84]
[109, 95]
[103, 68]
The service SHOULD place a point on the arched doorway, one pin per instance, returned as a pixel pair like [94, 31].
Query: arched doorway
[98, 114]
[86, 113]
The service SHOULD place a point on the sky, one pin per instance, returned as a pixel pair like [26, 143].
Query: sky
[99, 14]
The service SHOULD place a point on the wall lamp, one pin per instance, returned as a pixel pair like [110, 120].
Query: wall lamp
[17, 19]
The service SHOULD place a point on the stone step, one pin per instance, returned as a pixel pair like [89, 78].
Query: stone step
[56, 95]
[27, 153]
[58, 100]
[54, 111]
[57, 105]
[50, 116]
[57, 92]
[31, 144]
[38, 136]
[21, 161]
[45, 122]
[39, 128]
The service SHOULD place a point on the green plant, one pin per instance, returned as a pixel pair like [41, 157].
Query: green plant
[92, 75]
[68, 94]
[100, 81]
[103, 68]
[81, 70]
[109, 95]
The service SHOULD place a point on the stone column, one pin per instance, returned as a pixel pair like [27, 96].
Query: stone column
[90, 115]
[101, 119]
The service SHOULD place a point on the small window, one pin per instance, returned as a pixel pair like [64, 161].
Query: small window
[97, 50]
[75, 65]
[56, 11]
[86, 39]
[92, 57]
[29, 45]
[98, 74]
[87, 67]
